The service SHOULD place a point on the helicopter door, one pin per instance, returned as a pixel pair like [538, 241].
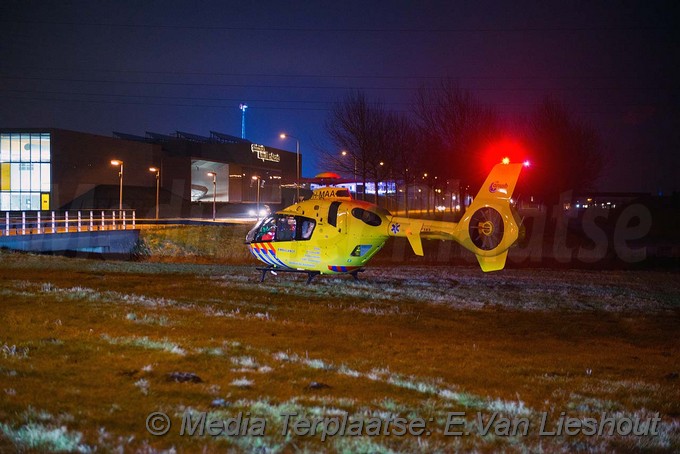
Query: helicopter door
[333, 213]
[337, 217]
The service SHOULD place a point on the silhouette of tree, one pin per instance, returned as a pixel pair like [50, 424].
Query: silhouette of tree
[567, 152]
[447, 140]
[455, 129]
[359, 127]
[403, 164]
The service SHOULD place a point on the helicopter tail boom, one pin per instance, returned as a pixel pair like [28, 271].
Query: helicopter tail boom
[488, 228]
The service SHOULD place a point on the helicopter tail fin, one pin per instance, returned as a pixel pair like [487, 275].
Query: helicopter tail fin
[495, 263]
[499, 184]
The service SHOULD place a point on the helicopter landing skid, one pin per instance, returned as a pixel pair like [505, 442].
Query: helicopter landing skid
[274, 270]
[355, 273]
[310, 274]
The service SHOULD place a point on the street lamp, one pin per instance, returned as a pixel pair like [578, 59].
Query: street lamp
[214, 177]
[356, 186]
[116, 162]
[257, 179]
[283, 135]
[158, 187]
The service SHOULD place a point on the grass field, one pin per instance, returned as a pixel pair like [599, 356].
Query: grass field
[89, 348]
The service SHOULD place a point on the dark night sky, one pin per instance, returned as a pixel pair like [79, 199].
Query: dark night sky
[136, 66]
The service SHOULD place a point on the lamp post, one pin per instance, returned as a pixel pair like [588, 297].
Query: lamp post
[117, 162]
[377, 192]
[257, 200]
[356, 186]
[214, 177]
[283, 135]
[158, 187]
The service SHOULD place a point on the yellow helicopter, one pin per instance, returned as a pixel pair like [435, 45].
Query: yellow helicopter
[331, 233]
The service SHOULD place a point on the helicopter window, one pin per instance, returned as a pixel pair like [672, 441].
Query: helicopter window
[367, 216]
[285, 228]
[263, 231]
[360, 250]
[333, 213]
[307, 228]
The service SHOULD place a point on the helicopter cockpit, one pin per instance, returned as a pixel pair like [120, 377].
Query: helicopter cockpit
[282, 227]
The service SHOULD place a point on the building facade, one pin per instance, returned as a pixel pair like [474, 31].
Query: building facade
[25, 171]
[54, 169]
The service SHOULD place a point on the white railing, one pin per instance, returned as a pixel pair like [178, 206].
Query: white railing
[40, 222]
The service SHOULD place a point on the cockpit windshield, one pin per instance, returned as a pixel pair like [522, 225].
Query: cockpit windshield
[265, 230]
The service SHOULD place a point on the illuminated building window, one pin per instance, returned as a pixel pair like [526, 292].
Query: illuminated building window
[25, 171]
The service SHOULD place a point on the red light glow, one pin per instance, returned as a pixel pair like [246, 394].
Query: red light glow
[504, 151]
